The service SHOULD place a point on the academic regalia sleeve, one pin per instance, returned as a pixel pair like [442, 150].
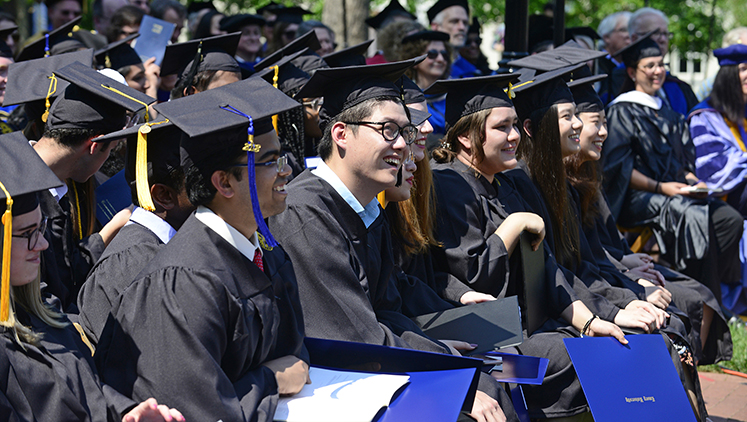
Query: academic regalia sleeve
[618, 156]
[176, 337]
[720, 161]
[417, 297]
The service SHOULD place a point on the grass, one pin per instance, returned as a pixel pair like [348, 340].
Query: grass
[739, 358]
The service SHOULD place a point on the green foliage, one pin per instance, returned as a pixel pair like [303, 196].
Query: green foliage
[739, 359]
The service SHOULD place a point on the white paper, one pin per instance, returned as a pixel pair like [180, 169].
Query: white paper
[340, 396]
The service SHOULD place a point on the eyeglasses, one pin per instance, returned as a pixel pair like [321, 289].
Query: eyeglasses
[314, 104]
[649, 68]
[390, 130]
[658, 34]
[33, 236]
[279, 164]
[432, 54]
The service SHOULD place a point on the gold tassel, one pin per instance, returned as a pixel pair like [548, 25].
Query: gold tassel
[7, 221]
[381, 197]
[51, 90]
[275, 84]
[141, 170]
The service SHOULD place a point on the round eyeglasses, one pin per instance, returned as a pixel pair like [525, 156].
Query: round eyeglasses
[279, 164]
[391, 130]
[34, 235]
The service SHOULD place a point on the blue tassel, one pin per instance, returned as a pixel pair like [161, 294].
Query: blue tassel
[46, 45]
[250, 150]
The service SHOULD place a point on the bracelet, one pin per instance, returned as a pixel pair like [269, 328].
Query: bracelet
[588, 325]
[656, 188]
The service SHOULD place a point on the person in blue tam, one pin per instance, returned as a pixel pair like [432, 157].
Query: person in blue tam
[717, 127]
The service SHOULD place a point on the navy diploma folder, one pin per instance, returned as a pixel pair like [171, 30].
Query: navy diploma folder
[155, 35]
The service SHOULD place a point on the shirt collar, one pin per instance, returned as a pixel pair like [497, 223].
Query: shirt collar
[59, 192]
[368, 214]
[247, 247]
[152, 222]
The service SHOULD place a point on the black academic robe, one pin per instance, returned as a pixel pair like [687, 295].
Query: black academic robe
[54, 380]
[687, 294]
[67, 261]
[657, 143]
[469, 210]
[127, 254]
[196, 326]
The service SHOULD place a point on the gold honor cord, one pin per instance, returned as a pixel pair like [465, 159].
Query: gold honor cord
[141, 157]
[77, 212]
[275, 84]
[7, 221]
[50, 91]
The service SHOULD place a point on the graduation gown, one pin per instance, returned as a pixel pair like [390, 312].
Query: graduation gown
[55, 380]
[128, 254]
[656, 142]
[66, 262]
[196, 326]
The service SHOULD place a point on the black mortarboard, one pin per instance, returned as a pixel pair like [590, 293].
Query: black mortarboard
[391, 9]
[308, 39]
[344, 87]
[290, 77]
[418, 117]
[293, 14]
[568, 54]
[233, 115]
[22, 175]
[351, 56]
[581, 30]
[51, 3]
[236, 22]
[581, 83]
[269, 7]
[178, 57]
[444, 4]
[90, 39]
[205, 24]
[196, 6]
[118, 54]
[69, 45]
[40, 47]
[93, 101]
[31, 80]
[6, 28]
[159, 155]
[474, 27]
[309, 62]
[640, 49]
[412, 92]
[542, 91]
[426, 35]
[470, 95]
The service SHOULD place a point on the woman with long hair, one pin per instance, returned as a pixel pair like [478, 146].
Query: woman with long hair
[708, 335]
[47, 362]
[480, 216]
[717, 126]
[649, 177]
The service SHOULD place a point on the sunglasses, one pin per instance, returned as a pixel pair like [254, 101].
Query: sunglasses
[432, 54]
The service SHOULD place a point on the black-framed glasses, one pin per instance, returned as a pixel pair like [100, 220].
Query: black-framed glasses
[34, 235]
[658, 34]
[279, 164]
[391, 130]
[433, 54]
[649, 68]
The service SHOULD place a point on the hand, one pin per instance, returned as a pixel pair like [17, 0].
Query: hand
[472, 297]
[660, 297]
[459, 345]
[153, 75]
[291, 374]
[672, 188]
[647, 272]
[486, 409]
[636, 260]
[151, 411]
[601, 328]
[522, 221]
[633, 316]
[699, 195]
[112, 227]
[649, 311]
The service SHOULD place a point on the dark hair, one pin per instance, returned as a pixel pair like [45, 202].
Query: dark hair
[389, 39]
[277, 37]
[355, 113]
[200, 82]
[418, 48]
[173, 179]
[158, 8]
[310, 24]
[199, 187]
[584, 176]
[472, 125]
[71, 137]
[124, 16]
[726, 96]
[544, 158]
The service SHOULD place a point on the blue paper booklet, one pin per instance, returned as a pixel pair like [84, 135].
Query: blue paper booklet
[154, 37]
[112, 196]
[633, 382]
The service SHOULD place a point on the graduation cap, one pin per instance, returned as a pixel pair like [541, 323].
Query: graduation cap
[732, 55]
[351, 56]
[639, 49]
[470, 95]
[213, 53]
[426, 35]
[285, 76]
[412, 92]
[293, 14]
[40, 48]
[568, 54]
[308, 39]
[542, 91]
[91, 101]
[90, 39]
[269, 8]
[309, 62]
[196, 6]
[444, 4]
[118, 54]
[391, 9]
[6, 28]
[233, 114]
[22, 175]
[236, 22]
[68, 45]
[474, 27]
[345, 87]
[581, 83]
[152, 152]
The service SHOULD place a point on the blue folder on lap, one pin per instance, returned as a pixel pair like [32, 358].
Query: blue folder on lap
[633, 382]
[520, 369]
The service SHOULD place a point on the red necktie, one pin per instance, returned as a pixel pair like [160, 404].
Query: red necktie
[258, 260]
